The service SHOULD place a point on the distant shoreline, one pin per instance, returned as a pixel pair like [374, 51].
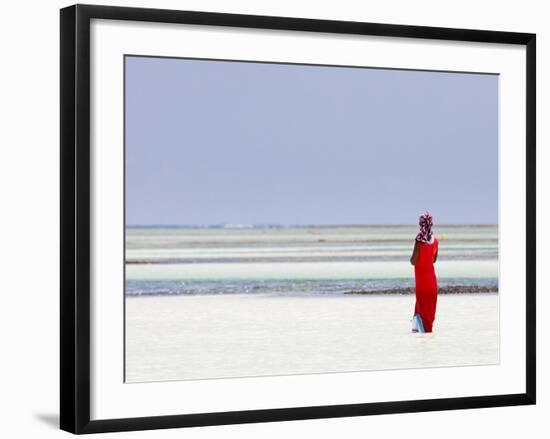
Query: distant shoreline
[447, 290]
[451, 289]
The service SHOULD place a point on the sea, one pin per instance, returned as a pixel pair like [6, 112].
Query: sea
[301, 260]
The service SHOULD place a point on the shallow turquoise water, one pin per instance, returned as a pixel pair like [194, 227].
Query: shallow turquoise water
[302, 260]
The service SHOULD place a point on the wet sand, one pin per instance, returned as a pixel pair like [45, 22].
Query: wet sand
[209, 336]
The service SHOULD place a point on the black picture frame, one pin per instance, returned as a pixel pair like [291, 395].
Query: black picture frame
[75, 218]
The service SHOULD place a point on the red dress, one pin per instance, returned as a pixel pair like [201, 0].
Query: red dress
[426, 284]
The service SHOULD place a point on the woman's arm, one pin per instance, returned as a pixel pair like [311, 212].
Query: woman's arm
[436, 252]
[414, 256]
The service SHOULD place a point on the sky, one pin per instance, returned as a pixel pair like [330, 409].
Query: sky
[226, 142]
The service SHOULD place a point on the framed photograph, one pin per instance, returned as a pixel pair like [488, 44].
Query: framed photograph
[274, 218]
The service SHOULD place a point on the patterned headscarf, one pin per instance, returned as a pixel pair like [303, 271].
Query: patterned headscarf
[425, 222]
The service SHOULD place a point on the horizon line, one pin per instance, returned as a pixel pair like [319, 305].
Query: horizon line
[267, 226]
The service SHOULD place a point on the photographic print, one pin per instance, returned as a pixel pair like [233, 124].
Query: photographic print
[298, 219]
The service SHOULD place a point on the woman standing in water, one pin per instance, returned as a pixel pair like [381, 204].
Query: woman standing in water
[423, 258]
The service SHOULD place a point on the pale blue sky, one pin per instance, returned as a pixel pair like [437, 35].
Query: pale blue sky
[214, 142]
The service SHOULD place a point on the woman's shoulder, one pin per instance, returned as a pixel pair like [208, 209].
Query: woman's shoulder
[434, 241]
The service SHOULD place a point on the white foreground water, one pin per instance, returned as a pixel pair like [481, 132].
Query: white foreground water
[184, 337]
